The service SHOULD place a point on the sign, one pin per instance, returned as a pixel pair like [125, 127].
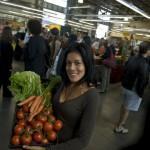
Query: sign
[51, 16]
[62, 3]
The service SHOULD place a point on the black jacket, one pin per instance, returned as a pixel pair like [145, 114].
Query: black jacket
[34, 55]
[136, 74]
[6, 56]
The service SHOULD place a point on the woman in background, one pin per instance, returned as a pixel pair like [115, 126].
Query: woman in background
[105, 70]
[6, 57]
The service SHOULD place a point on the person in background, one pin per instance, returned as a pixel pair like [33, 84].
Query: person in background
[135, 80]
[18, 53]
[106, 70]
[55, 43]
[64, 41]
[79, 36]
[27, 36]
[134, 51]
[143, 140]
[102, 46]
[76, 100]
[87, 40]
[35, 49]
[95, 47]
[149, 62]
[6, 57]
[44, 33]
[56, 64]
[68, 40]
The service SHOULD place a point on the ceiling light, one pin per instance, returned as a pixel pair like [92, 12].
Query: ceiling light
[86, 22]
[80, 24]
[24, 7]
[80, 1]
[26, 15]
[110, 16]
[140, 34]
[80, 7]
[29, 12]
[20, 6]
[133, 7]
[41, 12]
[98, 20]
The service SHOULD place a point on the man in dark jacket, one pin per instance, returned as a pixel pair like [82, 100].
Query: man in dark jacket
[135, 80]
[35, 50]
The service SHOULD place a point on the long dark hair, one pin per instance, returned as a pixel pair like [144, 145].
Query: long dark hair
[87, 57]
[6, 34]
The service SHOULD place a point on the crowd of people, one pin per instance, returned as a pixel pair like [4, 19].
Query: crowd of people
[76, 100]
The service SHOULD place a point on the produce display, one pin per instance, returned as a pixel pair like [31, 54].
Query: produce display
[34, 122]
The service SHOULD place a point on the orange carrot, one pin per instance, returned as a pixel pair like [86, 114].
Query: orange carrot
[37, 100]
[26, 100]
[30, 103]
[32, 115]
[39, 103]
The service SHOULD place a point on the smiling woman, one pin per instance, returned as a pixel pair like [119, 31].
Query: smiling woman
[75, 67]
[76, 100]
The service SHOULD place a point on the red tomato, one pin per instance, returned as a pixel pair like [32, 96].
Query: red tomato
[37, 137]
[47, 126]
[20, 114]
[15, 140]
[41, 118]
[58, 125]
[45, 141]
[28, 129]
[32, 122]
[18, 129]
[37, 124]
[51, 118]
[25, 108]
[22, 122]
[51, 135]
[26, 139]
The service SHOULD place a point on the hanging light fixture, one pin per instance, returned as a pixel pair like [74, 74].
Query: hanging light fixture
[134, 8]
[80, 1]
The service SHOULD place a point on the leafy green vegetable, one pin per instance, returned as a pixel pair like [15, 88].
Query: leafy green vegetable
[47, 92]
[25, 84]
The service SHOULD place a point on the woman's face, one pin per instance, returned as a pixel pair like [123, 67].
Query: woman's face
[75, 67]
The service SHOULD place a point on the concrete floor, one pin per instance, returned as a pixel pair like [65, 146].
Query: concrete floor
[103, 138]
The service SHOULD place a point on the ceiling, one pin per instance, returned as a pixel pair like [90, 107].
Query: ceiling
[136, 24]
[117, 8]
[112, 6]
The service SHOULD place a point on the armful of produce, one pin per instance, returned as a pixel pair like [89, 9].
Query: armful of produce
[27, 88]
[34, 122]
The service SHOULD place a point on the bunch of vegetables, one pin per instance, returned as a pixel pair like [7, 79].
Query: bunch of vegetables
[41, 130]
[35, 122]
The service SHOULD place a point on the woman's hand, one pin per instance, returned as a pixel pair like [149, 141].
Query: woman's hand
[33, 147]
